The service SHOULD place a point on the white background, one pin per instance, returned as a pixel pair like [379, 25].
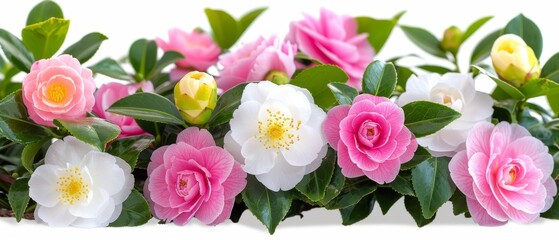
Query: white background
[125, 21]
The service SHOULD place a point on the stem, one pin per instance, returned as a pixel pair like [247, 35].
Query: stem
[10, 213]
[455, 62]
[519, 111]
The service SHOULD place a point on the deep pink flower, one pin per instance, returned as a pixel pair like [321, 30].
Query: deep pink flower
[333, 39]
[198, 48]
[370, 138]
[253, 61]
[110, 93]
[58, 88]
[193, 178]
[504, 173]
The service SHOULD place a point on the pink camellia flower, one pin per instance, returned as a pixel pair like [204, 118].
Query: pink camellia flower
[370, 138]
[58, 88]
[110, 93]
[193, 178]
[504, 173]
[333, 39]
[198, 48]
[255, 60]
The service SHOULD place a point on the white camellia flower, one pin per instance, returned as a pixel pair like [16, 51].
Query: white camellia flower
[454, 90]
[276, 134]
[79, 185]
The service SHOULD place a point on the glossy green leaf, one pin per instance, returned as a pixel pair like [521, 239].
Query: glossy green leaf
[316, 80]
[419, 156]
[129, 148]
[527, 30]
[510, 90]
[335, 186]
[314, 184]
[354, 190]
[402, 186]
[148, 107]
[247, 19]
[45, 38]
[15, 51]
[539, 87]
[94, 131]
[424, 40]
[344, 94]
[29, 152]
[225, 29]
[359, 211]
[432, 184]
[414, 208]
[135, 211]
[423, 118]
[386, 198]
[474, 27]
[553, 100]
[551, 68]
[378, 30]
[167, 59]
[86, 47]
[459, 204]
[110, 67]
[380, 79]
[435, 69]
[18, 196]
[226, 104]
[15, 123]
[268, 206]
[43, 11]
[142, 56]
[403, 74]
[483, 48]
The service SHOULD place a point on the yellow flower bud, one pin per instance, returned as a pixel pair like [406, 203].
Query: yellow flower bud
[514, 61]
[195, 97]
[452, 39]
[277, 77]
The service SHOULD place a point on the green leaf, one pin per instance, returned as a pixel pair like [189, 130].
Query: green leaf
[539, 87]
[553, 100]
[335, 186]
[527, 30]
[555, 172]
[247, 19]
[43, 11]
[94, 131]
[316, 80]
[403, 74]
[419, 156]
[435, 69]
[402, 186]
[129, 148]
[551, 68]
[432, 184]
[510, 90]
[474, 27]
[314, 184]
[225, 29]
[45, 38]
[2, 64]
[18, 196]
[268, 206]
[344, 94]
[380, 79]
[86, 47]
[29, 152]
[386, 198]
[424, 40]
[135, 211]
[15, 51]
[414, 208]
[167, 59]
[354, 190]
[423, 118]
[148, 107]
[142, 56]
[483, 48]
[14, 122]
[226, 104]
[359, 211]
[110, 67]
[378, 30]
[459, 204]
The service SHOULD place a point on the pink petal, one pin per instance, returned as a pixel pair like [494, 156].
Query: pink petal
[198, 138]
[156, 159]
[551, 189]
[369, 97]
[491, 205]
[180, 151]
[527, 203]
[183, 218]
[478, 140]
[392, 113]
[477, 168]
[349, 169]
[226, 213]
[361, 107]
[386, 171]
[458, 168]
[235, 183]
[480, 215]
[211, 209]
[331, 125]
[218, 162]
[158, 187]
[410, 151]
[536, 150]
[520, 216]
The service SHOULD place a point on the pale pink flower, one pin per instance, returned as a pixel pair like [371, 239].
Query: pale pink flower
[370, 138]
[333, 39]
[193, 178]
[504, 173]
[58, 88]
[253, 61]
[110, 93]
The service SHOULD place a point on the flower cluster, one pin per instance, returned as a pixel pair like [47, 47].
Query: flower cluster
[285, 124]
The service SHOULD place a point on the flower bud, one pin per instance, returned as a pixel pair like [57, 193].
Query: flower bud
[277, 77]
[195, 97]
[452, 39]
[514, 61]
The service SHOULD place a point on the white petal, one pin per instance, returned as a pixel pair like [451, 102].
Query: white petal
[463, 82]
[94, 205]
[104, 172]
[306, 150]
[123, 194]
[233, 147]
[257, 91]
[102, 220]
[258, 159]
[297, 102]
[417, 88]
[244, 123]
[116, 213]
[67, 152]
[282, 177]
[317, 162]
[57, 216]
[479, 109]
[42, 185]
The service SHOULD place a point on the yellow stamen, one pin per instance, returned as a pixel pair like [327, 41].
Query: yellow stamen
[71, 187]
[278, 131]
[56, 92]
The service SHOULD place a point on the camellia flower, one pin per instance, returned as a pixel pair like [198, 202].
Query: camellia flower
[79, 186]
[196, 97]
[193, 178]
[276, 134]
[58, 88]
[504, 173]
[255, 60]
[514, 61]
[458, 92]
[198, 48]
[110, 93]
[333, 39]
[370, 138]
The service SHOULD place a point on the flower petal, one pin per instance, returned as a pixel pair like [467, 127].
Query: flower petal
[386, 171]
[211, 209]
[43, 187]
[218, 162]
[282, 176]
[198, 138]
[480, 215]
[235, 183]
[331, 126]
[258, 159]
[57, 216]
[305, 151]
[458, 168]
